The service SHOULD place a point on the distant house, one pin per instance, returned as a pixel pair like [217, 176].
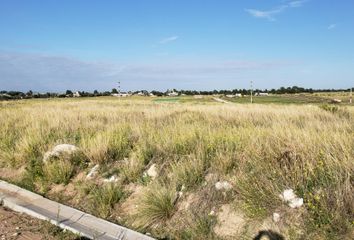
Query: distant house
[172, 94]
[262, 94]
[140, 94]
[122, 94]
[76, 94]
[233, 95]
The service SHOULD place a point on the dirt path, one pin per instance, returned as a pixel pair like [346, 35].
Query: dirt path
[220, 100]
[23, 227]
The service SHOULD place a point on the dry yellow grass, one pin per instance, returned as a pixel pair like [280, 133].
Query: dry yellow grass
[260, 149]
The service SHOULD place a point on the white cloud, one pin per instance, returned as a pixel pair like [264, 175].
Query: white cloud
[168, 39]
[332, 26]
[21, 71]
[296, 3]
[266, 14]
[270, 14]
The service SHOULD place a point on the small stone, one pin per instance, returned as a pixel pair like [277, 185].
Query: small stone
[16, 234]
[111, 179]
[276, 217]
[210, 177]
[291, 199]
[296, 203]
[152, 171]
[93, 172]
[223, 186]
[60, 149]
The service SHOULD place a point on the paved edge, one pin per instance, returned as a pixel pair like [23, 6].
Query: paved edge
[78, 222]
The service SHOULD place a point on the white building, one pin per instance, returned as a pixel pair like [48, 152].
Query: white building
[261, 94]
[120, 94]
[234, 95]
[172, 94]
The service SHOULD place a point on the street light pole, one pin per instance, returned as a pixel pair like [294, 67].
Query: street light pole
[251, 91]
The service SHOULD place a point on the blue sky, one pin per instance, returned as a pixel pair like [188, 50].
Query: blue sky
[55, 45]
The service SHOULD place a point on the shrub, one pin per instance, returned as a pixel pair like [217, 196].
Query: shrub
[103, 198]
[59, 171]
[156, 206]
[188, 172]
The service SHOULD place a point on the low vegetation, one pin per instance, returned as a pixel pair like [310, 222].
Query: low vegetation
[259, 149]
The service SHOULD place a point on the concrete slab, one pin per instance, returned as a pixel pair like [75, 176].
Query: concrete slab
[21, 200]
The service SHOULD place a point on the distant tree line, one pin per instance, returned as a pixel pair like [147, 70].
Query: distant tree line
[8, 95]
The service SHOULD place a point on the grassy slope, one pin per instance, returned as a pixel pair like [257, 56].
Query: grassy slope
[259, 149]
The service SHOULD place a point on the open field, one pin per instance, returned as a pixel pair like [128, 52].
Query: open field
[190, 145]
[316, 98]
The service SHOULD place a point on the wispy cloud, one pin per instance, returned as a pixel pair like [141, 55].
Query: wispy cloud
[270, 14]
[24, 71]
[168, 39]
[332, 26]
[266, 14]
[296, 3]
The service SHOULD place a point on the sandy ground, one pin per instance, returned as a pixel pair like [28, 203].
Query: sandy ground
[20, 227]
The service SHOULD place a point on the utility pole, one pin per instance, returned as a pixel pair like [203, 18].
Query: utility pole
[251, 91]
[119, 87]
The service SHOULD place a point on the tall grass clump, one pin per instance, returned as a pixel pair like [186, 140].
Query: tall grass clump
[188, 172]
[110, 145]
[59, 171]
[103, 198]
[156, 206]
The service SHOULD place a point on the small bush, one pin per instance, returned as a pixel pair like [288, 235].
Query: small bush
[132, 170]
[109, 146]
[59, 171]
[188, 172]
[200, 227]
[102, 199]
[33, 173]
[156, 206]
[330, 108]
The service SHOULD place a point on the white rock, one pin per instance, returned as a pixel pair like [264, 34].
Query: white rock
[276, 217]
[93, 172]
[287, 195]
[296, 203]
[152, 171]
[212, 213]
[291, 199]
[60, 149]
[111, 179]
[223, 186]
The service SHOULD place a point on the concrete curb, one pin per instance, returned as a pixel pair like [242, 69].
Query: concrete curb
[83, 224]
